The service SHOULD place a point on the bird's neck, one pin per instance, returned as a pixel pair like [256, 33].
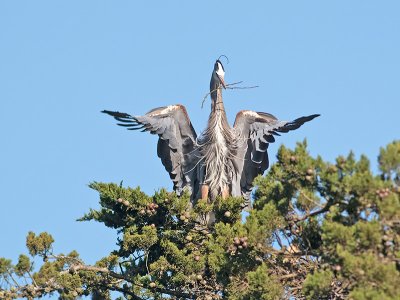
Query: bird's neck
[218, 120]
[217, 105]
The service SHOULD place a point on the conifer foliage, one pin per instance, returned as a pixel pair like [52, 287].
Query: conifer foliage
[317, 230]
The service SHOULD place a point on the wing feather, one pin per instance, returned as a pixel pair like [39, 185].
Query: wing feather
[257, 131]
[176, 143]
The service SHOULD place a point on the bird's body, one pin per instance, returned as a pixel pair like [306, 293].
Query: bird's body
[217, 146]
[223, 160]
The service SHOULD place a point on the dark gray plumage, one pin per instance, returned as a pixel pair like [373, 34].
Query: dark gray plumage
[222, 160]
[257, 131]
[176, 143]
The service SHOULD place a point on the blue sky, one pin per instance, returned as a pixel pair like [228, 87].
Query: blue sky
[61, 63]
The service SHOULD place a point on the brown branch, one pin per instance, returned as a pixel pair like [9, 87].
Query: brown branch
[12, 278]
[176, 293]
[278, 239]
[33, 280]
[309, 199]
[314, 213]
[77, 260]
[76, 268]
[289, 276]
[147, 260]
[122, 290]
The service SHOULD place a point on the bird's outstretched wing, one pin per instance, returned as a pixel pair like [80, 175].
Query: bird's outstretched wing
[176, 143]
[256, 130]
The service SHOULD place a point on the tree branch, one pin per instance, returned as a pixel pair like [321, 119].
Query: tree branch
[314, 213]
[76, 268]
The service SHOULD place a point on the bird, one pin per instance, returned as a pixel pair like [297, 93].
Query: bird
[222, 161]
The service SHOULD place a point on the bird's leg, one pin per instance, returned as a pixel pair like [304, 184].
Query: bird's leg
[209, 218]
[225, 192]
[204, 191]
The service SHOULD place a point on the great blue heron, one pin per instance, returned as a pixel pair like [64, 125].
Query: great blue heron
[223, 160]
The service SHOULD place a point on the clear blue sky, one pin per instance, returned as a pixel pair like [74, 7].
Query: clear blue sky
[62, 62]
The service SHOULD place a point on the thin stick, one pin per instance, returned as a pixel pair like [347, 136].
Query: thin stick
[147, 266]
[242, 87]
[12, 278]
[234, 83]
[33, 280]
[205, 97]
[311, 200]
[230, 87]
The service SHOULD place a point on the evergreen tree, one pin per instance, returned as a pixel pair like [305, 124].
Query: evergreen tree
[318, 230]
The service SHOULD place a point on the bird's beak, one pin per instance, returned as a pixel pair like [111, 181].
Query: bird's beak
[221, 79]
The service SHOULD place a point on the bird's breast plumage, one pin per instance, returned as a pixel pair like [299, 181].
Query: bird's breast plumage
[217, 146]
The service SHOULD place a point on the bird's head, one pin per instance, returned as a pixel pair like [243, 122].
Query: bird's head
[217, 78]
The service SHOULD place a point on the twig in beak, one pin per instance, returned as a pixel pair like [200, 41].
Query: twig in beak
[230, 87]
